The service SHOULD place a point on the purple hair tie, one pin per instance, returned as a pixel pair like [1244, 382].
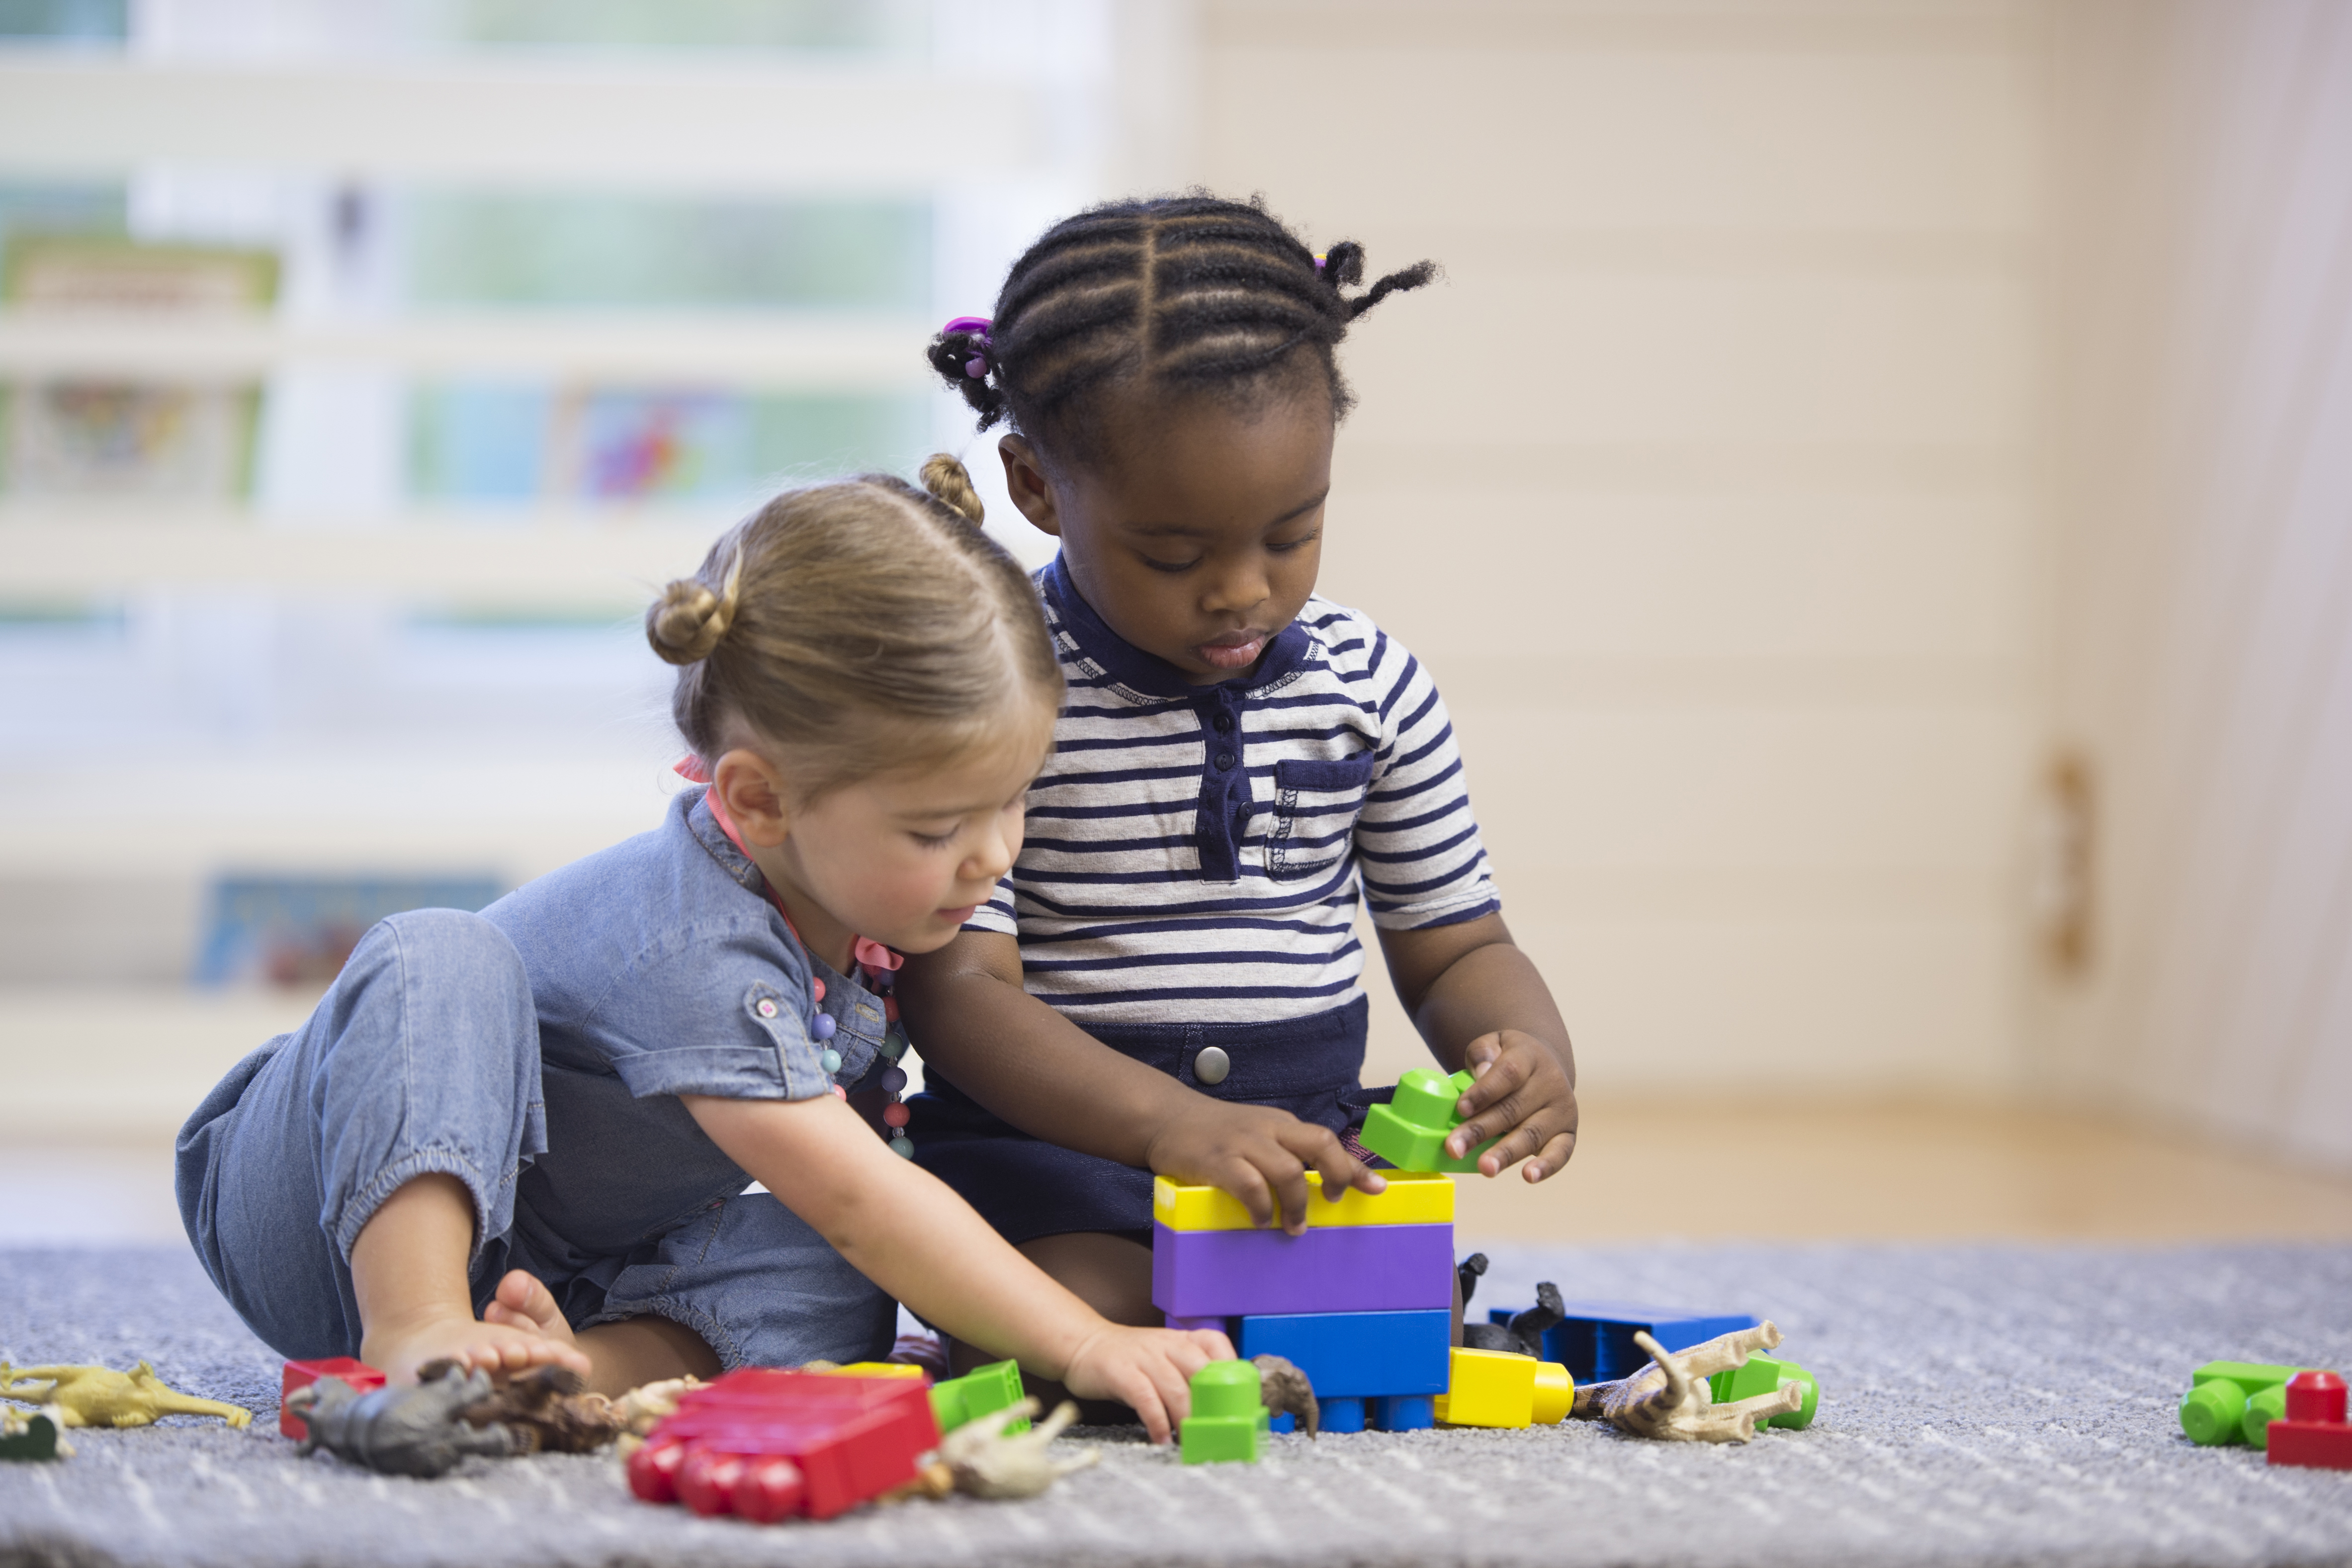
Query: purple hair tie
[975, 367]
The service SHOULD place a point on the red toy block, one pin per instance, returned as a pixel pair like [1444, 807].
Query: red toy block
[303, 1373]
[842, 1441]
[2314, 1435]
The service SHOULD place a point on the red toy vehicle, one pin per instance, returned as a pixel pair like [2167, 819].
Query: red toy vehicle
[768, 1445]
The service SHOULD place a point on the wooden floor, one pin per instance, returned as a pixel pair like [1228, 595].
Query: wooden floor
[1642, 1171]
[1899, 1173]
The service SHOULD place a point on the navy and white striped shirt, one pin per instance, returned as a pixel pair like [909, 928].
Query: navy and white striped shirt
[1193, 852]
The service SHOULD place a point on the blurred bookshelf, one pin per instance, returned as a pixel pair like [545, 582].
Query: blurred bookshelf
[551, 294]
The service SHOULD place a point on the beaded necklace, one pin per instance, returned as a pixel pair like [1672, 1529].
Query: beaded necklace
[875, 964]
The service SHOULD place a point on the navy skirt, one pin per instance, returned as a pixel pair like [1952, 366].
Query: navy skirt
[1027, 1188]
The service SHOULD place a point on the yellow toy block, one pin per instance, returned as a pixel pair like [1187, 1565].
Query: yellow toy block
[1413, 1197]
[875, 1369]
[1495, 1388]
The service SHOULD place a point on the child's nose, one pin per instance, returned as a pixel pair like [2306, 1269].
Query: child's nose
[1241, 586]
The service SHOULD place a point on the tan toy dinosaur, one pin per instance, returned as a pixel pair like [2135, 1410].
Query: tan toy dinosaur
[94, 1396]
[985, 1463]
[1668, 1399]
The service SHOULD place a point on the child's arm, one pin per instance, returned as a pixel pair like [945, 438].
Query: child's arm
[1480, 1004]
[902, 1229]
[1052, 1080]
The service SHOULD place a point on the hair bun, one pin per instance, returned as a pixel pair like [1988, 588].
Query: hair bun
[950, 482]
[686, 622]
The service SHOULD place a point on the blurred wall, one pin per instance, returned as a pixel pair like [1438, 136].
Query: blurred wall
[2202, 649]
[1704, 483]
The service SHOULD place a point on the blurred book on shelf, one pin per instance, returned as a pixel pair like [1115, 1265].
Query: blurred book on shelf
[298, 931]
[75, 436]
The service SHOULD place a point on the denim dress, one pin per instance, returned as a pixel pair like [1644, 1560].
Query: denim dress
[536, 1052]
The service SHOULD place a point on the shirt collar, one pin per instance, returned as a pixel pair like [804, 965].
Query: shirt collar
[1150, 674]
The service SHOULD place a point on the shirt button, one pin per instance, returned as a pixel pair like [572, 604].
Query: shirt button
[767, 1008]
[1223, 721]
[1224, 759]
[1212, 1066]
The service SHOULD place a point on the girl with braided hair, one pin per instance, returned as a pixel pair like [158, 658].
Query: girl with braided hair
[523, 1138]
[1168, 981]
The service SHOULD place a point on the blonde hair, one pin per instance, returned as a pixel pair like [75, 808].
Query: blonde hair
[859, 627]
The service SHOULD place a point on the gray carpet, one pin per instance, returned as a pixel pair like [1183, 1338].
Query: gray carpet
[1979, 1406]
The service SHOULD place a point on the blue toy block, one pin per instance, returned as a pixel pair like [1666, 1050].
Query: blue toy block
[1404, 1413]
[1356, 1356]
[1341, 1414]
[1595, 1341]
[1333, 1269]
[1286, 1422]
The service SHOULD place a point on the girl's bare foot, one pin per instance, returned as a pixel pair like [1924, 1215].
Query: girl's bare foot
[521, 1328]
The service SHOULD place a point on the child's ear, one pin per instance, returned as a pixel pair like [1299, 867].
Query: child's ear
[753, 794]
[1024, 479]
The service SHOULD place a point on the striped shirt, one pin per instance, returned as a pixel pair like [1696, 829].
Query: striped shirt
[1194, 852]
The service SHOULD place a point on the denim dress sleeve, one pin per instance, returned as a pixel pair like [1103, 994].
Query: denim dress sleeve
[722, 1015]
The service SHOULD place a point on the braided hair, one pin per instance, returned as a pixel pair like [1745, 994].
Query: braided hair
[1189, 293]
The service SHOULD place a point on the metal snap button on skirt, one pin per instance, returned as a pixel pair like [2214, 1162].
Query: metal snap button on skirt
[1211, 1065]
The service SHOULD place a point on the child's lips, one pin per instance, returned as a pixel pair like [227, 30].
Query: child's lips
[959, 913]
[1235, 650]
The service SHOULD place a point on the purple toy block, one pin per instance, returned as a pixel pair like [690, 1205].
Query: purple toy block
[1331, 1269]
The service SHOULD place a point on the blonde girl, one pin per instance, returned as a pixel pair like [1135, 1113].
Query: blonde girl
[524, 1137]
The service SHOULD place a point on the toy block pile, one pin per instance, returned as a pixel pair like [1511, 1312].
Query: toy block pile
[2295, 1414]
[1362, 1301]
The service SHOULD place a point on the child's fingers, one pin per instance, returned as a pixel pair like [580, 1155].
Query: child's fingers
[1521, 1143]
[1552, 1159]
[1287, 1175]
[1203, 1346]
[1249, 1183]
[1340, 1169]
[1499, 1072]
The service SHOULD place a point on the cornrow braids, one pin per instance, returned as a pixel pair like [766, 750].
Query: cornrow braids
[1189, 293]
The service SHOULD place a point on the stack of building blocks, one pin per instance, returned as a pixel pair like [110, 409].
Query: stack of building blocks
[1362, 1301]
[1411, 1129]
[2234, 1402]
[303, 1373]
[1595, 1340]
[766, 1445]
[2313, 1433]
[1767, 1375]
[1229, 1420]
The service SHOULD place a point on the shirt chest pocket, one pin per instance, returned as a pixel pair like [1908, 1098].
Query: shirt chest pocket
[1315, 804]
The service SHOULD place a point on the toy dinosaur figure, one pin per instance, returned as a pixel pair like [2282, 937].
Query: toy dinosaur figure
[419, 1430]
[1523, 1335]
[1283, 1387]
[1467, 1273]
[1669, 1399]
[94, 1396]
[985, 1463]
[546, 1409]
[32, 1434]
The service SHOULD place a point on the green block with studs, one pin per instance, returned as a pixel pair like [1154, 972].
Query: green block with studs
[1411, 1129]
[1767, 1375]
[995, 1387]
[1229, 1419]
[2220, 1405]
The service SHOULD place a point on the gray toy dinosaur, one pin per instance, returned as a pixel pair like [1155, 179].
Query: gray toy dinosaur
[407, 1431]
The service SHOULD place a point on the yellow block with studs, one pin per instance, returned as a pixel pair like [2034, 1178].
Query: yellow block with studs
[1495, 1388]
[1413, 1197]
[875, 1369]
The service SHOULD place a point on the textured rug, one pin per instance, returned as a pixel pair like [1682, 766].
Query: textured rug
[1979, 1406]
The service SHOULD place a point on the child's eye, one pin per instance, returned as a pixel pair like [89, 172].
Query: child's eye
[935, 840]
[1287, 545]
[1169, 565]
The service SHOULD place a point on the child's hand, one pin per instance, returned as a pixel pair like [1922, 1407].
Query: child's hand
[1258, 1155]
[1522, 1092]
[1150, 1370]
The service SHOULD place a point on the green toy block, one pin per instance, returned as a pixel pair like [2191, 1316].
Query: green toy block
[1761, 1374]
[38, 1440]
[2219, 1406]
[1410, 1131]
[978, 1393]
[1229, 1419]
